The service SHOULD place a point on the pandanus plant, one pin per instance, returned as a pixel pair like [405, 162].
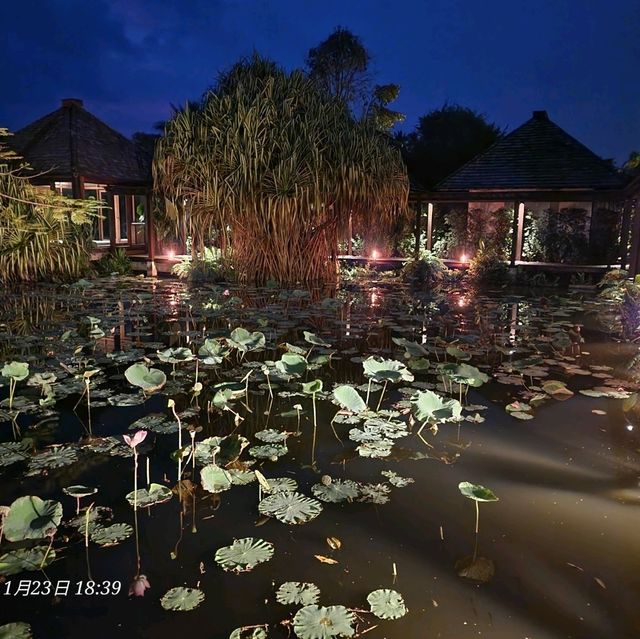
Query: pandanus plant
[276, 167]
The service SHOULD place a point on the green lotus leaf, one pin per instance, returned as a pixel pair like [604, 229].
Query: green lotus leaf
[315, 622]
[215, 479]
[312, 387]
[387, 604]
[291, 364]
[110, 535]
[249, 632]
[181, 598]
[282, 484]
[412, 349]
[145, 497]
[290, 507]
[148, 379]
[428, 406]
[312, 338]
[16, 630]
[244, 554]
[396, 480]
[337, 491]
[241, 477]
[26, 559]
[476, 492]
[349, 398]
[213, 351]
[32, 518]
[155, 422]
[55, 458]
[79, 491]
[386, 370]
[375, 450]
[268, 451]
[175, 355]
[245, 341]
[465, 374]
[12, 452]
[271, 436]
[15, 370]
[374, 493]
[458, 353]
[297, 593]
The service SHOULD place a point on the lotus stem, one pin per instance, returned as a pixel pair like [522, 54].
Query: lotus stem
[384, 388]
[315, 427]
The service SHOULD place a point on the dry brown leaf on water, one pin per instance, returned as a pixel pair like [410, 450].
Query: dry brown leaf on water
[325, 560]
[334, 543]
[600, 583]
[597, 411]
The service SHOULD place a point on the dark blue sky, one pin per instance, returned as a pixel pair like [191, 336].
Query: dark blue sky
[129, 59]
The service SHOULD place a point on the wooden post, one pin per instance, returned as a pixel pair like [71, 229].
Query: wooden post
[151, 239]
[416, 250]
[430, 226]
[624, 234]
[634, 267]
[111, 216]
[517, 232]
[350, 243]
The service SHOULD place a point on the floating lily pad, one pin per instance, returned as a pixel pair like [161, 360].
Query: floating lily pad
[244, 554]
[297, 593]
[250, 632]
[268, 451]
[110, 535]
[396, 480]
[271, 436]
[387, 604]
[315, 622]
[16, 630]
[154, 494]
[282, 484]
[290, 507]
[55, 458]
[337, 491]
[149, 380]
[181, 598]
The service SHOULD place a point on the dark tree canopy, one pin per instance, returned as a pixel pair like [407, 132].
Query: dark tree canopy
[339, 66]
[444, 140]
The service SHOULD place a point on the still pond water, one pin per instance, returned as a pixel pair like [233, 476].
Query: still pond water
[562, 540]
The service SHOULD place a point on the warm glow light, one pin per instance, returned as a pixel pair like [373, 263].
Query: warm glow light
[171, 254]
[464, 258]
[462, 302]
[375, 254]
[629, 427]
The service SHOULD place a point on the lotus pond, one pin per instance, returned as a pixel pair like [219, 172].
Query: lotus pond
[369, 461]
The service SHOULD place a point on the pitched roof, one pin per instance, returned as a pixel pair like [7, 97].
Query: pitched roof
[539, 155]
[71, 137]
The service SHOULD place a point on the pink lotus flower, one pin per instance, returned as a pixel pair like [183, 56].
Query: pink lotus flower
[139, 584]
[138, 438]
[227, 292]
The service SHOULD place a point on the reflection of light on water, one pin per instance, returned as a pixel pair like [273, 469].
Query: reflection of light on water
[374, 298]
[462, 301]
[629, 426]
[375, 254]
[464, 258]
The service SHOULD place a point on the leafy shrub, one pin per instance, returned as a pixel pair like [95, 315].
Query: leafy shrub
[117, 262]
[624, 297]
[209, 266]
[427, 270]
[488, 267]
[557, 236]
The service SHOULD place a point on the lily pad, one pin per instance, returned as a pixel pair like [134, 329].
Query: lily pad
[316, 622]
[26, 559]
[387, 604]
[244, 554]
[215, 479]
[181, 598]
[154, 494]
[290, 507]
[297, 593]
[337, 491]
[250, 632]
[16, 630]
[149, 380]
[110, 535]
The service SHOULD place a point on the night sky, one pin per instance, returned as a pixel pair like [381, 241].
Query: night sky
[130, 59]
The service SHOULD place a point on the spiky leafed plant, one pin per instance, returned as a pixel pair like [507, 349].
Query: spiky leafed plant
[43, 236]
[273, 168]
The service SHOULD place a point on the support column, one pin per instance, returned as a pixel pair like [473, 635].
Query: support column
[624, 234]
[152, 271]
[430, 226]
[517, 232]
[634, 267]
[350, 242]
[416, 250]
